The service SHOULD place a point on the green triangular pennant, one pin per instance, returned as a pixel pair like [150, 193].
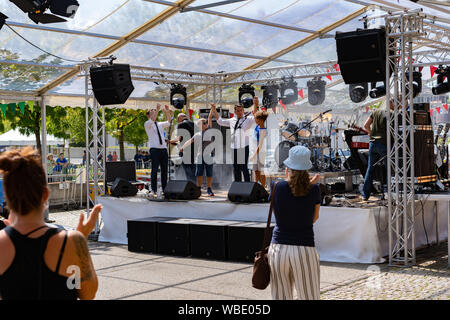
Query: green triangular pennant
[12, 106]
[22, 107]
[31, 105]
[4, 106]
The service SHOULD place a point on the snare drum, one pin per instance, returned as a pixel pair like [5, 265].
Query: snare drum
[289, 132]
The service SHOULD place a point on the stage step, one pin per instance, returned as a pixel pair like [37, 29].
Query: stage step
[199, 238]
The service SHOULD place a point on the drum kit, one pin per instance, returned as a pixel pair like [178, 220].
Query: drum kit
[312, 137]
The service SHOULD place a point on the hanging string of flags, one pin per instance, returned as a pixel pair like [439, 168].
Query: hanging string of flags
[438, 109]
[13, 106]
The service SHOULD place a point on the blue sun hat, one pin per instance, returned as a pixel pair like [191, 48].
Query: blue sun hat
[299, 158]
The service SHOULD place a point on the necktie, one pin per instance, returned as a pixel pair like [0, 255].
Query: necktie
[159, 134]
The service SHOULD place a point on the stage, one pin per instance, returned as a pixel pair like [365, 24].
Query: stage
[342, 234]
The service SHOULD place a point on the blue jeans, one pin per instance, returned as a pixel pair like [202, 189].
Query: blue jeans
[377, 150]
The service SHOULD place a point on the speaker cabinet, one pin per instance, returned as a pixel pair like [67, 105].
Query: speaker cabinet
[173, 237]
[142, 234]
[247, 192]
[181, 190]
[123, 188]
[209, 239]
[111, 83]
[365, 64]
[245, 239]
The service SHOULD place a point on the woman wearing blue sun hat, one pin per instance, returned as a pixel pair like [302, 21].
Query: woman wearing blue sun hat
[293, 259]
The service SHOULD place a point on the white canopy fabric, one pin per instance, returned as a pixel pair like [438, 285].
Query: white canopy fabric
[15, 138]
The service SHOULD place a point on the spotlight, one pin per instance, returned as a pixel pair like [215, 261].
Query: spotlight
[417, 83]
[2, 20]
[441, 87]
[270, 96]
[36, 9]
[178, 96]
[377, 92]
[246, 95]
[288, 91]
[358, 92]
[316, 91]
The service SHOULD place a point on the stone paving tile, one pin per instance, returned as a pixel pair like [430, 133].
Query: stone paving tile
[428, 279]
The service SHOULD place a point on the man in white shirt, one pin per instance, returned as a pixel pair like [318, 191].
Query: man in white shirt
[158, 146]
[240, 126]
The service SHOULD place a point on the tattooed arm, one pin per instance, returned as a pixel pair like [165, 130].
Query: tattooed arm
[89, 281]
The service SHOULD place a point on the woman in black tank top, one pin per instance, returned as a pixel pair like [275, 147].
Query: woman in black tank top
[36, 259]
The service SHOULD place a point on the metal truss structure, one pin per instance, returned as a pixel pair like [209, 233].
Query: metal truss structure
[401, 32]
[95, 145]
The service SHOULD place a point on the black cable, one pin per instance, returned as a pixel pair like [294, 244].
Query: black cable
[29, 42]
[423, 222]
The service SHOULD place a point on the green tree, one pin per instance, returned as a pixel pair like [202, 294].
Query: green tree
[135, 133]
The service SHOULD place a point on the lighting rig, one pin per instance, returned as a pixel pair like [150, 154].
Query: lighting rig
[316, 91]
[245, 91]
[377, 92]
[442, 87]
[288, 91]
[270, 95]
[36, 9]
[178, 96]
[358, 92]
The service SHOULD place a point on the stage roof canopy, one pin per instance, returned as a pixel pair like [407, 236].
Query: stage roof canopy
[185, 35]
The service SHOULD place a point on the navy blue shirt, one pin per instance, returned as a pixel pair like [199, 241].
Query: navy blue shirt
[294, 216]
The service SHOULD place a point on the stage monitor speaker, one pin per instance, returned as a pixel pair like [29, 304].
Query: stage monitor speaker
[142, 234]
[248, 192]
[365, 64]
[173, 237]
[209, 239]
[123, 188]
[111, 83]
[245, 239]
[181, 190]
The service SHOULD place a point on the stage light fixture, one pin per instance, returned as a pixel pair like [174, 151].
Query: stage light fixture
[178, 96]
[246, 95]
[288, 91]
[270, 95]
[316, 91]
[36, 9]
[442, 87]
[377, 92]
[358, 92]
[2, 20]
[417, 83]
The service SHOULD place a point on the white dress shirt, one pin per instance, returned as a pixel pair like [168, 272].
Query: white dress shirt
[241, 134]
[153, 139]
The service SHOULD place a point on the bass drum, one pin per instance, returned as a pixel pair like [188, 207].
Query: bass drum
[282, 152]
[290, 132]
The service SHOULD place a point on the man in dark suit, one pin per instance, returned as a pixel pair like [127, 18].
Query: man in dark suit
[185, 131]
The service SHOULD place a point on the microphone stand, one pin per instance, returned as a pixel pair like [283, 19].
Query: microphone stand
[309, 123]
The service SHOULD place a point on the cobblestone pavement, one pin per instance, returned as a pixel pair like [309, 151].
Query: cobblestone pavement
[429, 279]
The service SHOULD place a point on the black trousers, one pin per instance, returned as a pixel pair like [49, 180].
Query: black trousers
[160, 158]
[240, 164]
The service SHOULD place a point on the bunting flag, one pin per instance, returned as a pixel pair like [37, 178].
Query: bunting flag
[12, 106]
[190, 113]
[4, 107]
[300, 93]
[420, 69]
[231, 115]
[367, 109]
[438, 109]
[336, 67]
[31, 105]
[329, 77]
[432, 70]
[446, 107]
[283, 105]
[22, 107]
[431, 112]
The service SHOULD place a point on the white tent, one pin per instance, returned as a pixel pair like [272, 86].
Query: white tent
[15, 138]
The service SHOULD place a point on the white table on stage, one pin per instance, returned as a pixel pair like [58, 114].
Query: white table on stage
[439, 197]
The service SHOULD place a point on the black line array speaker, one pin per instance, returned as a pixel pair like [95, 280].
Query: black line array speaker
[173, 237]
[209, 239]
[181, 190]
[245, 239]
[142, 234]
[362, 55]
[123, 188]
[248, 192]
[111, 83]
